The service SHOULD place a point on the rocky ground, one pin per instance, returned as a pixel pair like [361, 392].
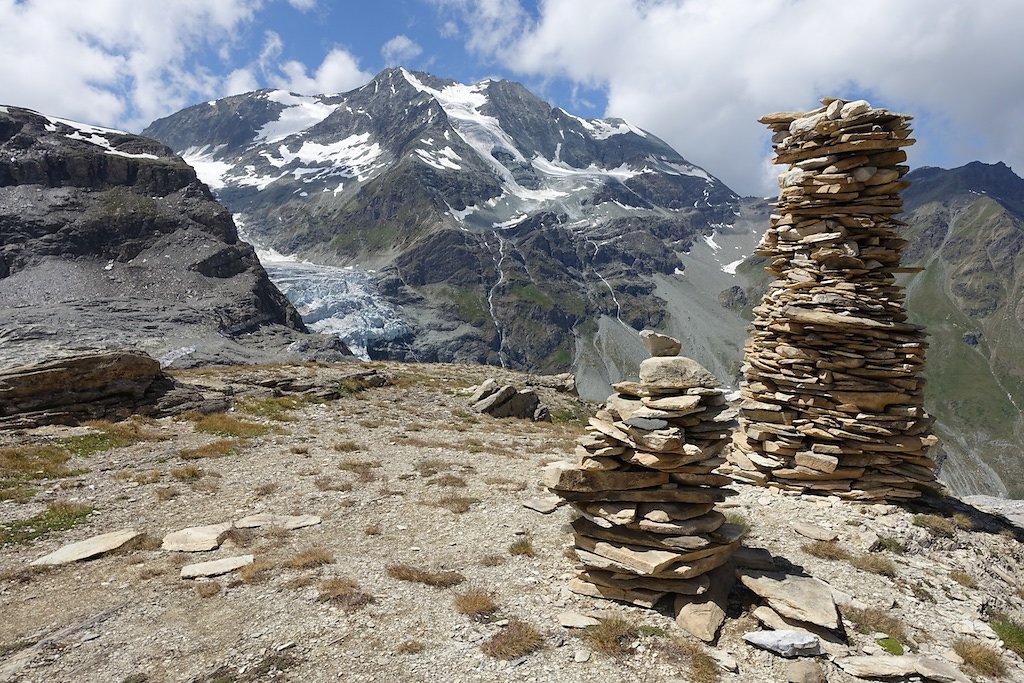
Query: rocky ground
[409, 483]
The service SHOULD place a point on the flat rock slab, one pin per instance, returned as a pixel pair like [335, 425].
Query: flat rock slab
[785, 643]
[576, 620]
[90, 547]
[215, 567]
[798, 597]
[545, 505]
[900, 667]
[288, 522]
[814, 532]
[196, 539]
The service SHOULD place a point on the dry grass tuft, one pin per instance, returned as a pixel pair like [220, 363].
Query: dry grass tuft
[300, 582]
[451, 480]
[215, 449]
[963, 521]
[150, 477]
[206, 486]
[309, 558]
[207, 589]
[492, 560]
[613, 636]
[432, 466]
[362, 469]
[165, 493]
[410, 647]
[223, 424]
[876, 564]
[150, 572]
[506, 484]
[523, 546]
[267, 488]
[299, 450]
[875, 620]
[188, 473]
[476, 603]
[963, 578]
[257, 572]
[344, 592]
[516, 640]
[347, 446]
[243, 538]
[826, 550]
[938, 526]
[329, 484]
[442, 579]
[372, 530]
[980, 658]
[702, 667]
[455, 503]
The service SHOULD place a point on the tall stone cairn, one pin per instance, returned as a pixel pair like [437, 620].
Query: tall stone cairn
[644, 485]
[832, 397]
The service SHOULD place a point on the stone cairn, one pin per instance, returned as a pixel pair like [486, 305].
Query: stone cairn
[645, 488]
[832, 398]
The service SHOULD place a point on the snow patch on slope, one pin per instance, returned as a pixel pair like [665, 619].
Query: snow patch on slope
[300, 114]
[208, 169]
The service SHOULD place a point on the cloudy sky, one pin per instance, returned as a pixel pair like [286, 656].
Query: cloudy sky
[696, 73]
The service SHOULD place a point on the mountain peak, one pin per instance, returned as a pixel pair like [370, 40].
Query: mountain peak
[997, 181]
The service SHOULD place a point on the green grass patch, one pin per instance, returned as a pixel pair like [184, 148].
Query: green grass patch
[57, 517]
[891, 645]
[22, 465]
[1010, 632]
[277, 408]
[106, 436]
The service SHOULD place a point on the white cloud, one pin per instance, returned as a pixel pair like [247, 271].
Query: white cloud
[449, 29]
[115, 62]
[239, 81]
[339, 72]
[302, 5]
[698, 73]
[400, 49]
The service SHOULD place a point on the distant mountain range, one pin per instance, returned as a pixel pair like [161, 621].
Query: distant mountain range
[501, 230]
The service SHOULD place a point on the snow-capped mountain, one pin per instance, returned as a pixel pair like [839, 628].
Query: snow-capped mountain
[500, 229]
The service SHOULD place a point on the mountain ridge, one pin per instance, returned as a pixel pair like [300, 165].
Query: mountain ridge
[505, 228]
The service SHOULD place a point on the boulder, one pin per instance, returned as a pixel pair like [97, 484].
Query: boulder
[785, 643]
[660, 344]
[677, 372]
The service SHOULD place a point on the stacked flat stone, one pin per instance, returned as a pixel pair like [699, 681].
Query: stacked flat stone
[832, 397]
[644, 484]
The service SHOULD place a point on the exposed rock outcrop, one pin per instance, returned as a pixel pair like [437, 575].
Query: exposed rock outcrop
[109, 241]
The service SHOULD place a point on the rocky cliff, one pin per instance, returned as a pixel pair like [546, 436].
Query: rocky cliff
[109, 240]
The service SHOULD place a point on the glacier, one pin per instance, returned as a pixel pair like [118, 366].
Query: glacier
[344, 302]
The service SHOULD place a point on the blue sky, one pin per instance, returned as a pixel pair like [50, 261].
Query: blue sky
[697, 73]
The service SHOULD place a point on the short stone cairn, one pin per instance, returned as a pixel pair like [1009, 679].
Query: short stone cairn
[832, 397]
[645, 488]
